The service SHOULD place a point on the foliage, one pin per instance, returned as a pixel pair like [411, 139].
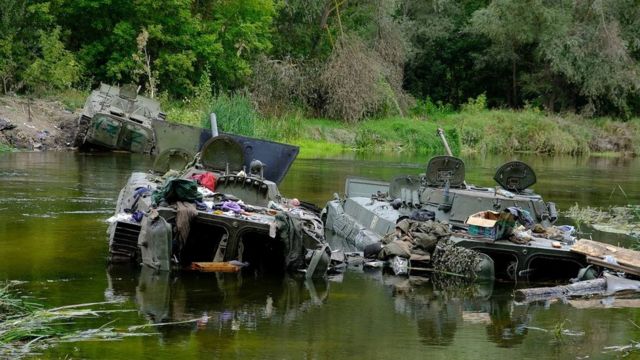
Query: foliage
[443, 56]
[278, 86]
[351, 81]
[348, 60]
[574, 53]
[285, 129]
[235, 114]
[56, 68]
[173, 42]
[428, 108]
[402, 134]
[475, 105]
[504, 131]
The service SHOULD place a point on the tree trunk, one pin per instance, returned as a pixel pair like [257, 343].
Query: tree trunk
[324, 18]
[587, 287]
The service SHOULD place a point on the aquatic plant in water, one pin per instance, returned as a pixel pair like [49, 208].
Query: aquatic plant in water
[616, 219]
[27, 327]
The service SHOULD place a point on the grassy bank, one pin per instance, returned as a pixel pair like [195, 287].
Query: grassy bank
[473, 129]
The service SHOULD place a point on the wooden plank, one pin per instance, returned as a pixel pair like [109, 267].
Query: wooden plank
[214, 267]
[623, 256]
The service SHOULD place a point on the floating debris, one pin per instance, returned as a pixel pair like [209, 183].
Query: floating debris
[27, 327]
[616, 219]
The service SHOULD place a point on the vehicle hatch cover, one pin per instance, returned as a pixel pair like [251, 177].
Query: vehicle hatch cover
[515, 176]
[220, 151]
[443, 168]
[176, 159]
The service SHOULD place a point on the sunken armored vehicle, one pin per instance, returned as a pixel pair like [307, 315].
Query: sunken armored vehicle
[117, 118]
[218, 211]
[480, 218]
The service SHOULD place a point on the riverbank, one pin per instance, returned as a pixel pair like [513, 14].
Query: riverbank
[49, 124]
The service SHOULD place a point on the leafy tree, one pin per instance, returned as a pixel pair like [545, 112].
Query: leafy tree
[443, 56]
[55, 68]
[573, 52]
[21, 22]
[184, 38]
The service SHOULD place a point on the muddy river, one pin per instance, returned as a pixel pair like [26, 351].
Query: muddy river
[53, 208]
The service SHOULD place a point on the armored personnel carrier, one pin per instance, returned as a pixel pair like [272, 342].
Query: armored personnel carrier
[117, 118]
[218, 211]
[372, 209]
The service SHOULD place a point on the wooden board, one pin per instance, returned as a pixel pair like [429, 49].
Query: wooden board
[626, 258]
[214, 267]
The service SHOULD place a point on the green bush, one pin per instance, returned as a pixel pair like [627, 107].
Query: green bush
[427, 108]
[56, 68]
[287, 128]
[235, 114]
[505, 131]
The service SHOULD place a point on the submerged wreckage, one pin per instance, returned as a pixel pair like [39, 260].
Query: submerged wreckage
[117, 118]
[509, 224]
[221, 212]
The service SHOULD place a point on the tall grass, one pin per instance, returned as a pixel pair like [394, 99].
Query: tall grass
[5, 148]
[235, 114]
[506, 131]
[286, 128]
[404, 134]
[26, 327]
[471, 129]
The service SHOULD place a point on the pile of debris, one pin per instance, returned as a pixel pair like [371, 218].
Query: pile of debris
[424, 246]
[35, 124]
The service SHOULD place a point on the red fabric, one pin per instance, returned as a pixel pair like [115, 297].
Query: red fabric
[206, 179]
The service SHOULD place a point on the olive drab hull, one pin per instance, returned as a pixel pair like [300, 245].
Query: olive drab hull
[371, 209]
[117, 118]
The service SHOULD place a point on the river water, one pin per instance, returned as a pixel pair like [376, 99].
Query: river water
[53, 238]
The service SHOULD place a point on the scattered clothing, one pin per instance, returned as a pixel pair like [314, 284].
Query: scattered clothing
[177, 190]
[206, 179]
[185, 213]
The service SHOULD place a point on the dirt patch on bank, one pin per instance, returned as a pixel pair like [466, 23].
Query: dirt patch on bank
[36, 124]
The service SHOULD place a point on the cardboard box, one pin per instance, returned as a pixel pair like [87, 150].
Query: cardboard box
[488, 224]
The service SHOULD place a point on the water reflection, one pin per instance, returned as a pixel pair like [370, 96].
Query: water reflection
[440, 305]
[220, 301]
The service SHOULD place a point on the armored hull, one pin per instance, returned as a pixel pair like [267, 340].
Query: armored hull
[215, 215]
[372, 209]
[117, 118]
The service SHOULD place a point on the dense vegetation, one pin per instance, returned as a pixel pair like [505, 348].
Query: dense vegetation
[350, 60]
[347, 59]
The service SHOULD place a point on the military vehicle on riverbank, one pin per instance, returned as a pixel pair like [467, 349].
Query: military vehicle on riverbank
[481, 218]
[117, 118]
[218, 211]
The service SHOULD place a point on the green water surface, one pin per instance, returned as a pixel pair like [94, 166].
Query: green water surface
[53, 208]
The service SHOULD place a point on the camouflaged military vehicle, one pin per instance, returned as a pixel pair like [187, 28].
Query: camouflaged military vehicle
[220, 210]
[371, 209]
[117, 118]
